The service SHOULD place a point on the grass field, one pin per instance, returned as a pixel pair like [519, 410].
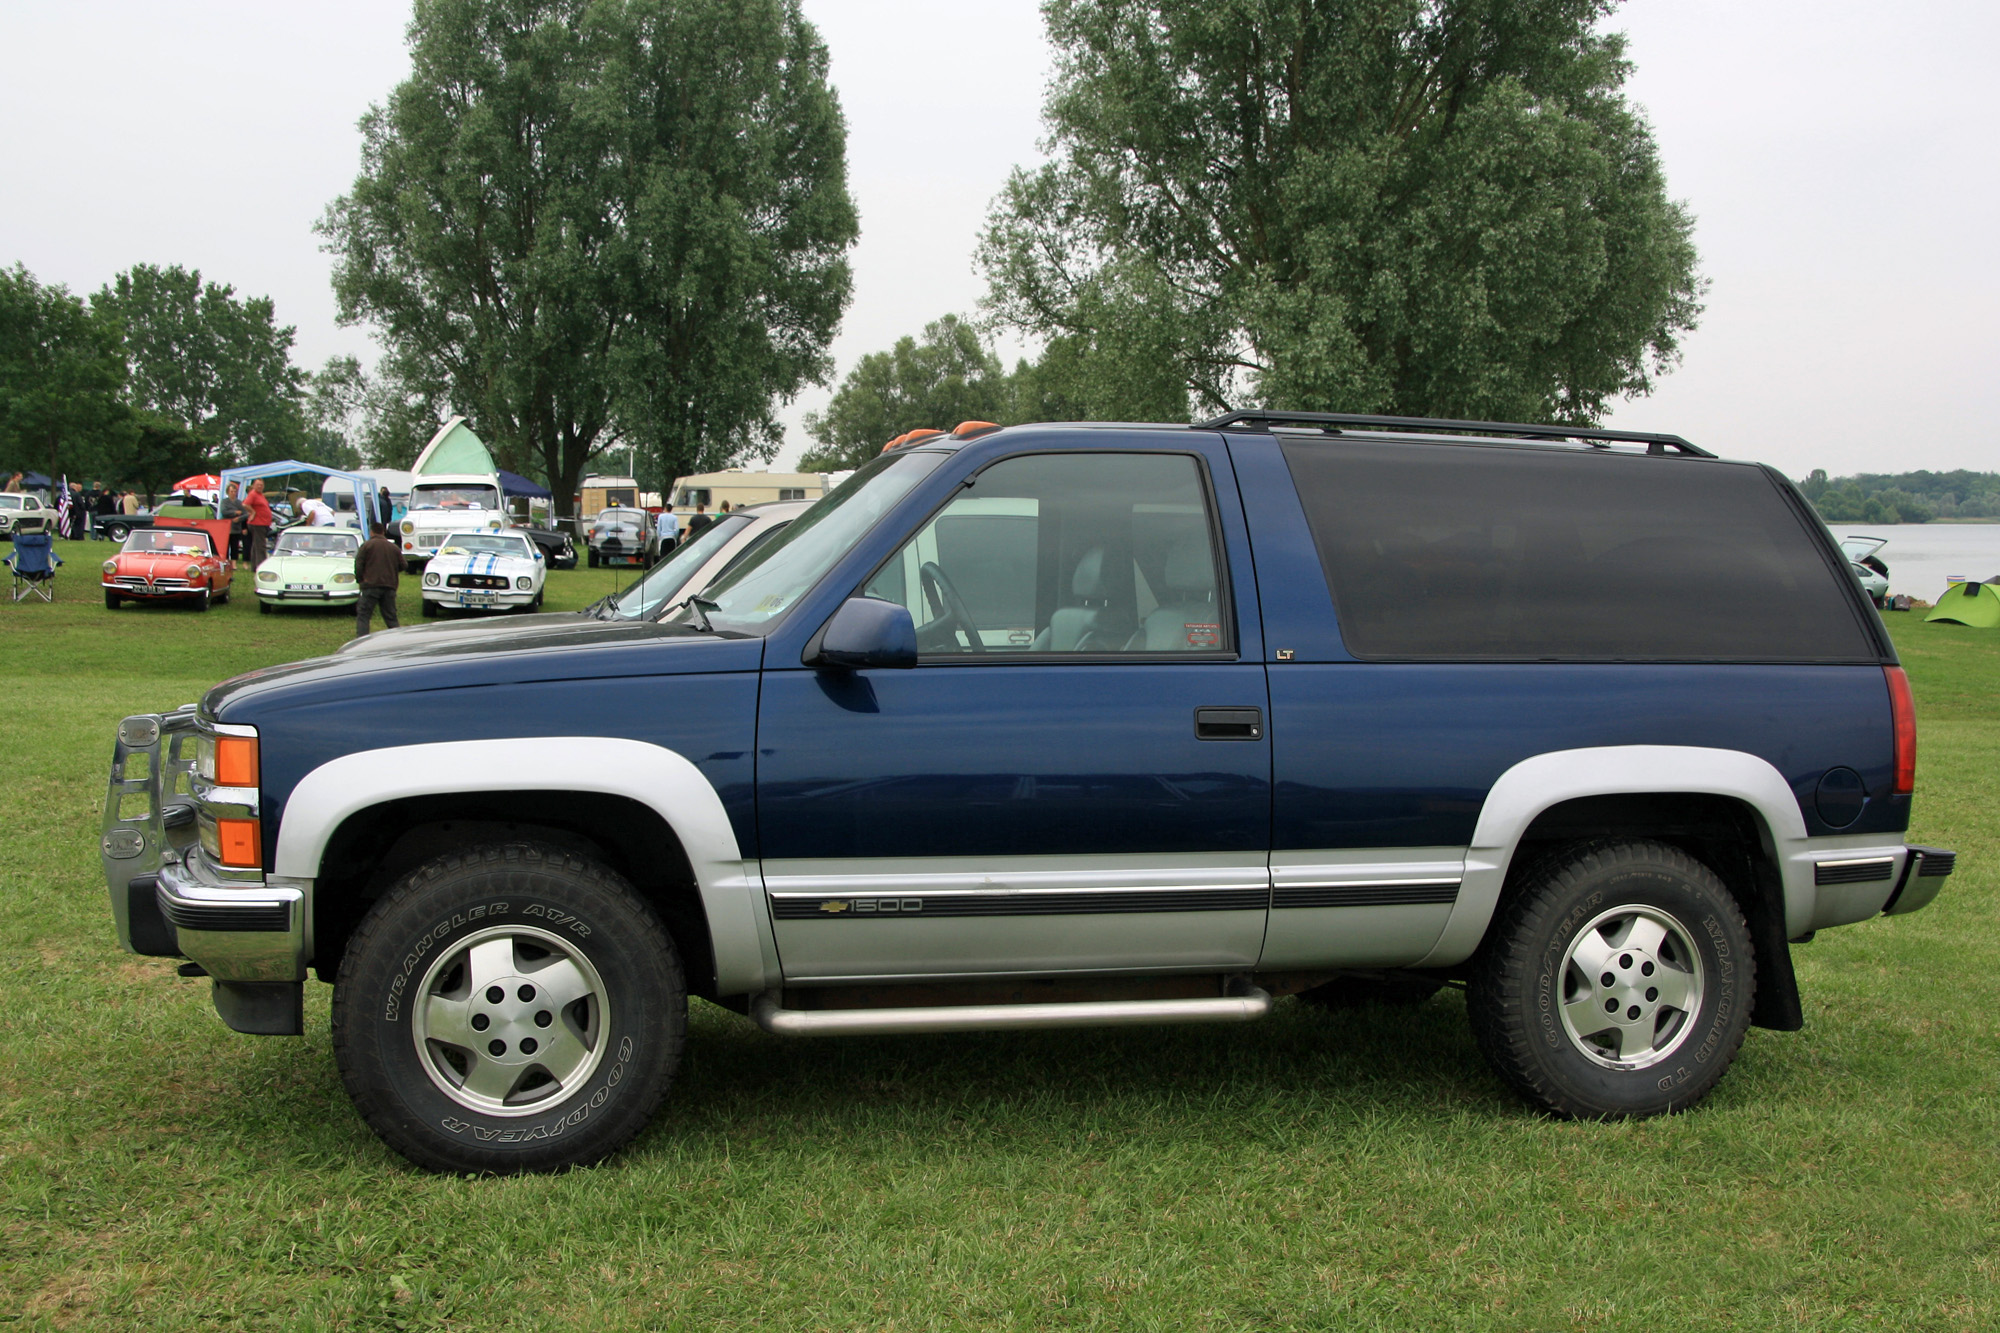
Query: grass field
[1310, 1172]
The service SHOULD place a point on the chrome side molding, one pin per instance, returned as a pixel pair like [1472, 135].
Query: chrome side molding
[1252, 1003]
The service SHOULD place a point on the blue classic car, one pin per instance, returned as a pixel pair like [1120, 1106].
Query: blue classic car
[1064, 725]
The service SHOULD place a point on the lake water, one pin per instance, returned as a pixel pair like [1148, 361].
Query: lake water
[1920, 555]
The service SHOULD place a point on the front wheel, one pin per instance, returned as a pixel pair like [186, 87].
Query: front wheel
[263, 607]
[1616, 983]
[112, 601]
[201, 602]
[509, 1008]
[430, 609]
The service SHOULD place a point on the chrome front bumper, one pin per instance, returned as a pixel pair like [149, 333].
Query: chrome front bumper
[253, 936]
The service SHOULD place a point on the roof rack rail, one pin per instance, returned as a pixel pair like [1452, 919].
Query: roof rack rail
[1332, 422]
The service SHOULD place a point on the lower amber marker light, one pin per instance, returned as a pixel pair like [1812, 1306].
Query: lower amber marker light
[239, 842]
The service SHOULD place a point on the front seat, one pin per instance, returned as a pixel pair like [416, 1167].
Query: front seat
[1072, 627]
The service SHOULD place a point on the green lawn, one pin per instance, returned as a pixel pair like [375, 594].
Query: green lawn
[1310, 1172]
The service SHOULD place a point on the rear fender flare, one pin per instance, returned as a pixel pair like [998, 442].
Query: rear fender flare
[732, 887]
[1534, 785]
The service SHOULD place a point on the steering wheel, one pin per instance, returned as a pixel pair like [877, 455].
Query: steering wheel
[945, 602]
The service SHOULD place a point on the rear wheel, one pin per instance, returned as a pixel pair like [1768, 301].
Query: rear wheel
[115, 532]
[1617, 982]
[593, 557]
[509, 1008]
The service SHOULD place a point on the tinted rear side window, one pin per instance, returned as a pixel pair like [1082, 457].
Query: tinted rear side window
[1484, 553]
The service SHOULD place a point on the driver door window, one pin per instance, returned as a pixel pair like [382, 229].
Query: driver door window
[1066, 553]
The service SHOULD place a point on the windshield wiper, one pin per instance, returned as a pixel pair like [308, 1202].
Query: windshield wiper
[701, 607]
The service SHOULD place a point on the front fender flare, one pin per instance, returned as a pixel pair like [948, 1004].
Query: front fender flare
[732, 888]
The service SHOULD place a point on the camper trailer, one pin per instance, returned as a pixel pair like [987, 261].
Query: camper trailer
[600, 493]
[740, 488]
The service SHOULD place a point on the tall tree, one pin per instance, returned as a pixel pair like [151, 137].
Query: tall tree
[1360, 205]
[62, 371]
[217, 366]
[601, 222]
[948, 375]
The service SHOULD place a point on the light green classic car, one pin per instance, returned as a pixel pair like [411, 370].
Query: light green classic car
[311, 567]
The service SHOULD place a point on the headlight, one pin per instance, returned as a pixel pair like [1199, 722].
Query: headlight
[524, 584]
[431, 580]
[193, 573]
[111, 566]
[408, 526]
[266, 576]
[227, 761]
[343, 578]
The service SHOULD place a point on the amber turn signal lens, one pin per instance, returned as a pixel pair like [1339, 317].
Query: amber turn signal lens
[236, 761]
[240, 843]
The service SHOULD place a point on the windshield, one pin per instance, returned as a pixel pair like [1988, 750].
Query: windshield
[484, 543]
[173, 540]
[317, 543]
[760, 590]
[610, 518]
[457, 495]
[657, 589]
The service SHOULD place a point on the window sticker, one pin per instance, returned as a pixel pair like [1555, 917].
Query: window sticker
[1203, 636]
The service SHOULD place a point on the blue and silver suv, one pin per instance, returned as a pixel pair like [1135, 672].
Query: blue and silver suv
[1062, 725]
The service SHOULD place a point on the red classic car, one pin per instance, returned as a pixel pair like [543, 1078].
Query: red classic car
[172, 559]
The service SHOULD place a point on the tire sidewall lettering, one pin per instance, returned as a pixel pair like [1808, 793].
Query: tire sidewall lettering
[419, 952]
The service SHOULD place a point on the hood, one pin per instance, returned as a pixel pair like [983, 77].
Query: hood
[150, 563]
[409, 637]
[536, 648]
[1859, 547]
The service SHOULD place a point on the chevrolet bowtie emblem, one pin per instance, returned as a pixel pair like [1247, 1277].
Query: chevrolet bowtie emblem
[834, 905]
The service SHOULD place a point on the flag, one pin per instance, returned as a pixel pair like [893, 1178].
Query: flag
[62, 507]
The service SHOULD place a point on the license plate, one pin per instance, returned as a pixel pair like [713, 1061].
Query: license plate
[305, 587]
[478, 598]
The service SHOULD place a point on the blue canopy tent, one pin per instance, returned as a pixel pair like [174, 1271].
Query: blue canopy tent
[513, 484]
[367, 494]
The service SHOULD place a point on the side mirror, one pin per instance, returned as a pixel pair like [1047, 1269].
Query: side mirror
[867, 632]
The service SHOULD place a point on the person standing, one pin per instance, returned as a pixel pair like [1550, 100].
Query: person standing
[668, 526]
[701, 519]
[378, 565]
[233, 509]
[257, 521]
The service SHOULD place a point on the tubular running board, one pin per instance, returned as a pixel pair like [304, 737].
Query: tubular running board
[1252, 1003]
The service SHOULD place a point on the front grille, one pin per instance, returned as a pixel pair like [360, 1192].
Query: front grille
[477, 581]
[1854, 872]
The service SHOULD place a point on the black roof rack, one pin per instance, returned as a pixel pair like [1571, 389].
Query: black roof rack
[1332, 422]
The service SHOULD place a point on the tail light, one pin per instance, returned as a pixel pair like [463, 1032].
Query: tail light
[1903, 713]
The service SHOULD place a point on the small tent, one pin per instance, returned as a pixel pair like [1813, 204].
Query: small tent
[454, 450]
[1975, 604]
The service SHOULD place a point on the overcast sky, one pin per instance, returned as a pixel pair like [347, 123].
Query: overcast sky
[1838, 157]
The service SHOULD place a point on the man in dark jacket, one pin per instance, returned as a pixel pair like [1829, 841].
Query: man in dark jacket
[378, 565]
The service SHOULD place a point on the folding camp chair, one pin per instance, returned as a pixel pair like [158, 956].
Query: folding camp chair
[33, 561]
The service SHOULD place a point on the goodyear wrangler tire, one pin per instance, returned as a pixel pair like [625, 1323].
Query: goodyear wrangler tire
[1616, 983]
[509, 1008]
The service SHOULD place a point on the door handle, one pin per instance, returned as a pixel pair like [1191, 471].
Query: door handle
[1229, 724]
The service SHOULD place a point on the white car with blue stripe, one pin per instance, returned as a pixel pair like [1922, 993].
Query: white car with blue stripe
[484, 571]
